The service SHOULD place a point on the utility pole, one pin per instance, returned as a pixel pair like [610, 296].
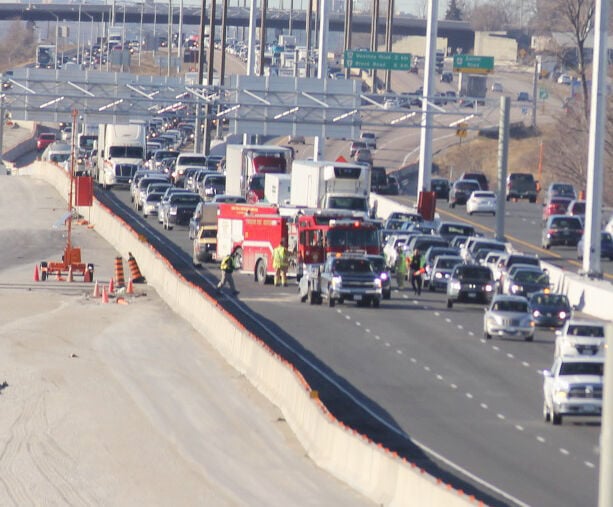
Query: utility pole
[596, 160]
[2, 98]
[222, 66]
[209, 80]
[388, 42]
[201, 60]
[169, 36]
[534, 95]
[180, 37]
[348, 20]
[262, 35]
[322, 68]
[503, 158]
[307, 27]
[425, 146]
[374, 39]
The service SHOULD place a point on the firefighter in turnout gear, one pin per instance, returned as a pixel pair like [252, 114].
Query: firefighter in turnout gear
[280, 263]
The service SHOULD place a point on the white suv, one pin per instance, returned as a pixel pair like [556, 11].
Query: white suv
[573, 387]
[580, 337]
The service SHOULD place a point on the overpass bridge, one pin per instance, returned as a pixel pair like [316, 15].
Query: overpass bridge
[458, 33]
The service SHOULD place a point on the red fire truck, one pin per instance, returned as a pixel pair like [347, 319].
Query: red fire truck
[255, 231]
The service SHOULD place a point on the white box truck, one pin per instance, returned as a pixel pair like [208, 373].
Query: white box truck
[246, 166]
[331, 185]
[121, 152]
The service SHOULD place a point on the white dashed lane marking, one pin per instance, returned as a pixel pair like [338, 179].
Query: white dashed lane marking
[468, 395]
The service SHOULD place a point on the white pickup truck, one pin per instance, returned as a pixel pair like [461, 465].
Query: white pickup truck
[573, 387]
[580, 337]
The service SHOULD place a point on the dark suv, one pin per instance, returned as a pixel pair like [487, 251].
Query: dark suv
[521, 186]
[461, 190]
[440, 186]
[562, 230]
[480, 177]
[470, 283]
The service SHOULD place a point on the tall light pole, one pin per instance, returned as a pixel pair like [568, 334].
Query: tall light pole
[79, 36]
[57, 33]
[155, 19]
[91, 41]
[180, 38]
[169, 45]
[140, 36]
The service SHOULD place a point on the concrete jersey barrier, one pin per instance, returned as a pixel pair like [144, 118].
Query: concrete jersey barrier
[367, 467]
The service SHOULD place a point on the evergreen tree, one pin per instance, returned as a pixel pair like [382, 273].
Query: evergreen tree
[454, 13]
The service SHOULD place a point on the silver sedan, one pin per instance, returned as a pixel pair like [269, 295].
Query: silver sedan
[508, 317]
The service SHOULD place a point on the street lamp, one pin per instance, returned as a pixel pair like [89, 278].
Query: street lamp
[79, 55]
[140, 36]
[57, 33]
[91, 41]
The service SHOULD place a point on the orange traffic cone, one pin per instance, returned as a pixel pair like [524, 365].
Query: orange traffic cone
[111, 286]
[36, 275]
[58, 276]
[105, 296]
[96, 290]
[130, 289]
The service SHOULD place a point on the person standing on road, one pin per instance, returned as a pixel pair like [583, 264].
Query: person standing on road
[228, 265]
[280, 263]
[416, 271]
[400, 266]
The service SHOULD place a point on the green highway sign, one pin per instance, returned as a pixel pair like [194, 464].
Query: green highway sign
[377, 60]
[472, 64]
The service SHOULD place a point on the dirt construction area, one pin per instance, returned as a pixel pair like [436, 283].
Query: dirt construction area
[124, 404]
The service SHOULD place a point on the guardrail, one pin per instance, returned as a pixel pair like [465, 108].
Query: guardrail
[367, 467]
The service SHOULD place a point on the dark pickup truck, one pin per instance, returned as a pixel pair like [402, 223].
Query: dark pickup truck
[346, 277]
[180, 208]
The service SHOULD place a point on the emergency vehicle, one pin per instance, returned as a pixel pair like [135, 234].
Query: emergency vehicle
[255, 231]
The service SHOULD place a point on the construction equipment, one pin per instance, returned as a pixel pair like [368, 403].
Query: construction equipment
[71, 260]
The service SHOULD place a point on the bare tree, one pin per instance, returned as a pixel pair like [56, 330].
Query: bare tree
[489, 16]
[17, 45]
[576, 16]
[565, 150]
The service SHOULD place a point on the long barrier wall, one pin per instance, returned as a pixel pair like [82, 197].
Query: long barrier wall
[593, 297]
[370, 469]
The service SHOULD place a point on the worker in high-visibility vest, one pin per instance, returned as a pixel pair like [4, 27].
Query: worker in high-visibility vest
[228, 264]
[400, 266]
[416, 270]
[280, 263]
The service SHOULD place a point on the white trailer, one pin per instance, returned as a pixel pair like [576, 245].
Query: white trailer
[277, 188]
[326, 184]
